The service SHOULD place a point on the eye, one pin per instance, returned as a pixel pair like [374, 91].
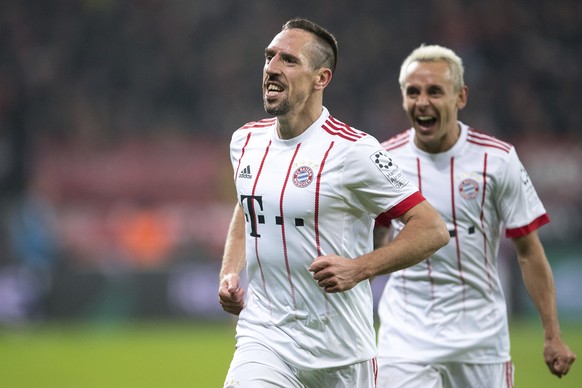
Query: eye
[412, 92]
[289, 59]
[269, 54]
[435, 91]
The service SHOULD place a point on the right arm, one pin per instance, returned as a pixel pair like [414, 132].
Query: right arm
[231, 295]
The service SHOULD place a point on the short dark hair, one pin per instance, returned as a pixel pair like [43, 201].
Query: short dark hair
[327, 42]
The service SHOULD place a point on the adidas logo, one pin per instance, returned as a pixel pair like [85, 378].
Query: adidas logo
[246, 173]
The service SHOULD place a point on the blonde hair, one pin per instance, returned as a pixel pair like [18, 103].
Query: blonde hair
[436, 53]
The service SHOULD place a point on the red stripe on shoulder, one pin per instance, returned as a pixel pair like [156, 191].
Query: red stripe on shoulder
[346, 127]
[527, 229]
[485, 140]
[396, 141]
[337, 128]
[260, 124]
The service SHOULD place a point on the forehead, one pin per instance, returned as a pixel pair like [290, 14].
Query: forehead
[291, 41]
[428, 72]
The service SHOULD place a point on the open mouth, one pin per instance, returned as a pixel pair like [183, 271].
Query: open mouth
[273, 89]
[426, 121]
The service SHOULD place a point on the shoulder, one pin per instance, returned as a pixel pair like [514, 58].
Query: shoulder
[257, 125]
[484, 142]
[342, 132]
[484, 151]
[397, 141]
[253, 127]
[351, 145]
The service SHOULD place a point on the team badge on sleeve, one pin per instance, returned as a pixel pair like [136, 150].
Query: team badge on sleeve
[389, 169]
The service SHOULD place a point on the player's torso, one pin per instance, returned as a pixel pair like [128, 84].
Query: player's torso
[289, 196]
[462, 186]
[295, 210]
[453, 299]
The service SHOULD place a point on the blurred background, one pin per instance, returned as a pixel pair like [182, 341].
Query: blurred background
[115, 118]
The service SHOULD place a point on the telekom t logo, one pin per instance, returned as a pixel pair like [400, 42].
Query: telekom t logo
[248, 203]
[253, 204]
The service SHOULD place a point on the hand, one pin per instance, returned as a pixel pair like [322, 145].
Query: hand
[335, 273]
[558, 356]
[230, 294]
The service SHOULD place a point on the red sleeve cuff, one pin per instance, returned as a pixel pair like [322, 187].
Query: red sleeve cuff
[401, 208]
[524, 230]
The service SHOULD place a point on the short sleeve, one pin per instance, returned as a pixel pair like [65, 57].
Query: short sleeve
[375, 182]
[518, 202]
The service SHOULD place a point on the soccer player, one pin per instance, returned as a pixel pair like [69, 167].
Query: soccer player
[309, 188]
[444, 321]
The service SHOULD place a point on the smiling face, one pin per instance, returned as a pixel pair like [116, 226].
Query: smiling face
[432, 103]
[289, 78]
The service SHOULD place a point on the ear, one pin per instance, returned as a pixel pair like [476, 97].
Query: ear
[462, 97]
[404, 100]
[322, 78]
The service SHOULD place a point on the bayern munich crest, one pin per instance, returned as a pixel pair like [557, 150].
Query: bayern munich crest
[469, 189]
[303, 176]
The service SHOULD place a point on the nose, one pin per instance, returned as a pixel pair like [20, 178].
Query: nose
[272, 66]
[422, 99]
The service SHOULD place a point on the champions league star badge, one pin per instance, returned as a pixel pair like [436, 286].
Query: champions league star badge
[389, 169]
[303, 176]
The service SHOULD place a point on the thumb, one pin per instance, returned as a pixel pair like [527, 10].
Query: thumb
[317, 264]
[232, 285]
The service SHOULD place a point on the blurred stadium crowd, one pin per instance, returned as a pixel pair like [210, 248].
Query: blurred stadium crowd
[115, 116]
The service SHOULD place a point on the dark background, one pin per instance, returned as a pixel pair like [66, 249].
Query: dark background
[115, 118]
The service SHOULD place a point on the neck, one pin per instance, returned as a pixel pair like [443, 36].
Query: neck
[294, 124]
[441, 144]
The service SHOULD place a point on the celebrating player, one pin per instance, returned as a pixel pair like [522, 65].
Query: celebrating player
[444, 320]
[309, 188]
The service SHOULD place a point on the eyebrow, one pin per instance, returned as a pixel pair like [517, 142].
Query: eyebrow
[284, 55]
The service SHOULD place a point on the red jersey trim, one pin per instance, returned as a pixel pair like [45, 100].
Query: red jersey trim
[242, 154]
[346, 127]
[255, 221]
[482, 218]
[283, 234]
[485, 140]
[337, 128]
[527, 229]
[259, 124]
[317, 198]
[396, 141]
[401, 208]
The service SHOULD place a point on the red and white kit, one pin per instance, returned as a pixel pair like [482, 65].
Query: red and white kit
[456, 310]
[320, 195]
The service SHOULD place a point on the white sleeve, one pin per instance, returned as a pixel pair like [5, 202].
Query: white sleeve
[517, 199]
[372, 179]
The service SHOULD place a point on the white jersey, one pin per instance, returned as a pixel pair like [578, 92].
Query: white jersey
[312, 195]
[450, 307]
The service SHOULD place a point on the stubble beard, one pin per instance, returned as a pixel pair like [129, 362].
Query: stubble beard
[278, 110]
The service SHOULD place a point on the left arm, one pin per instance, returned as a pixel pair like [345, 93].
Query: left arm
[539, 282]
[423, 234]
